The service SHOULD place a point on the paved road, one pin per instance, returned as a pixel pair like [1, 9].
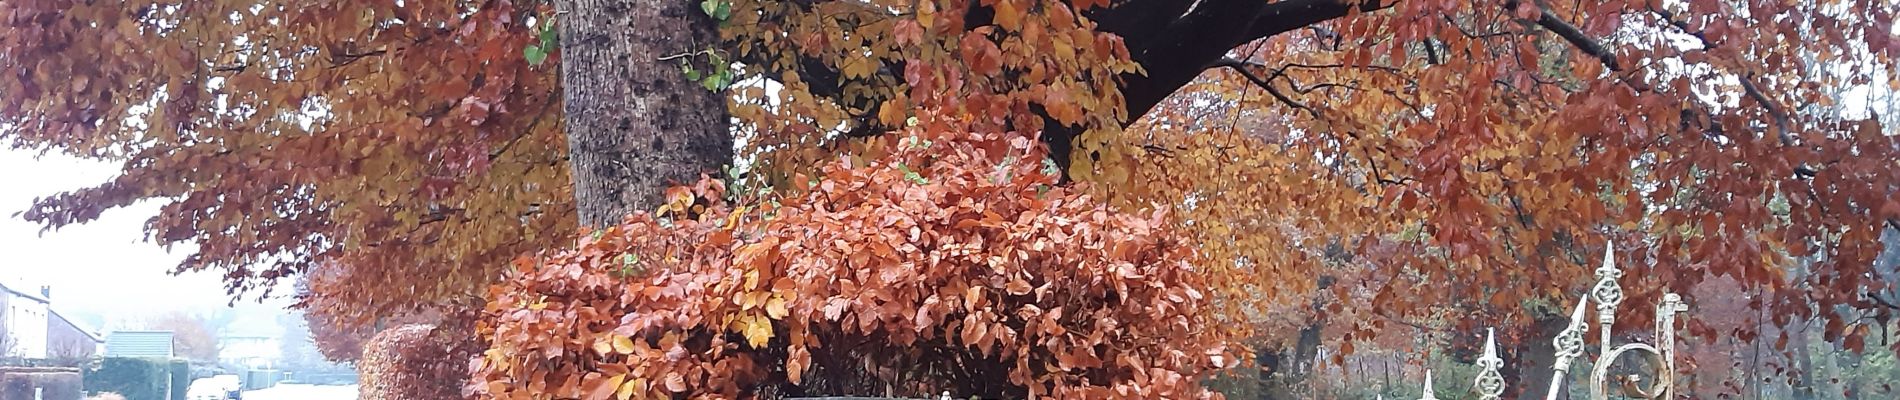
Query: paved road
[296, 391]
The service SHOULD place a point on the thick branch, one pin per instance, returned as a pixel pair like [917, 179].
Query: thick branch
[1173, 40]
[1198, 40]
[1575, 36]
[1284, 16]
[1774, 111]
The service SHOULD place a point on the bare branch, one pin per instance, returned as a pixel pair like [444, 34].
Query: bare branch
[1240, 67]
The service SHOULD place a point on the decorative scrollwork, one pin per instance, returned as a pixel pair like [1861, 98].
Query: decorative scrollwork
[1490, 383]
[1600, 376]
[1570, 343]
[1608, 293]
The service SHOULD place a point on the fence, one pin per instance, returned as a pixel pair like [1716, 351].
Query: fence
[1607, 294]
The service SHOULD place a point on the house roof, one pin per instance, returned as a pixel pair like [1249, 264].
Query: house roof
[76, 326]
[28, 295]
[139, 344]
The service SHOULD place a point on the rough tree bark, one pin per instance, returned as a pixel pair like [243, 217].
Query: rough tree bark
[635, 124]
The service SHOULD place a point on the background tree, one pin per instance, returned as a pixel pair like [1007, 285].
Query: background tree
[412, 142]
[7, 342]
[192, 336]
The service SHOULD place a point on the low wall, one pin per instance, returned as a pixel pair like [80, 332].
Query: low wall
[30, 383]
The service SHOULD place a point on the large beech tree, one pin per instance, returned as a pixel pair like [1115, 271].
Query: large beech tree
[1472, 158]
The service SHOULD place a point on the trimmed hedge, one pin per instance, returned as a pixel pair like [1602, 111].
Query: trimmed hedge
[134, 378]
[417, 362]
[52, 385]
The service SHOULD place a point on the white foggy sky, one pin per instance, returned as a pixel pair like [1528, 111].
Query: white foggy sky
[104, 267]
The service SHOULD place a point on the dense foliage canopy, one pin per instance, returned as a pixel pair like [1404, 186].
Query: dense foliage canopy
[1432, 160]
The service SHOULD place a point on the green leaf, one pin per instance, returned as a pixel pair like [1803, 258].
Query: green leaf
[723, 12]
[534, 54]
[630, 266]
[549, 36]
[691, 74]
[913, 176]
[711, 7]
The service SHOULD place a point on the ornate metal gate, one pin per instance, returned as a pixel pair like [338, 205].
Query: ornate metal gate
[1607, 294]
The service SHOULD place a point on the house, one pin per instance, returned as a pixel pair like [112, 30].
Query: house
[30, 327]
[253, 340]
[249, 351]
[22, 323]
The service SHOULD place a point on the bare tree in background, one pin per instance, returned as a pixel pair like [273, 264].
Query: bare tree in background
[69, 352]
[6, 336]
[191, 335]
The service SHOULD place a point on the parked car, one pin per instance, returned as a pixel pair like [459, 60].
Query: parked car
[221, 387]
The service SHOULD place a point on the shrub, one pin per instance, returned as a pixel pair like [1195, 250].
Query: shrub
[134, 378]
[940, 265]
[416, 362]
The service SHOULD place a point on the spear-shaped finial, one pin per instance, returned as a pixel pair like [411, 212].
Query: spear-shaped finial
[1569, 345]
[1490, 382]
[1608, 293]
[1428, 387]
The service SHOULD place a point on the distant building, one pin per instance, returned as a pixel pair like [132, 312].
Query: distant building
[253, 340]
[249, 351]
[23, 322]
[139, 344]
[31, 328]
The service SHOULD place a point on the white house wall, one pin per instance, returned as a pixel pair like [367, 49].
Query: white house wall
[26, 326]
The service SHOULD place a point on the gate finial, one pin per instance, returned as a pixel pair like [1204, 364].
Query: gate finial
[1569, 346]
[1490, 383]
[1608, 293]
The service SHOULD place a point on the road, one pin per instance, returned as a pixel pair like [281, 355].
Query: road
[297, 391]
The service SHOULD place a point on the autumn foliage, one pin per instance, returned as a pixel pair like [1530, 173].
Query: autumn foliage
[943, 265]
[419, 362]
[408, 141]
[1444, 163]
[333, 321]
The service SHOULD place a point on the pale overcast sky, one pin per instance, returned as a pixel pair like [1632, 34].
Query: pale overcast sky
[103, 268]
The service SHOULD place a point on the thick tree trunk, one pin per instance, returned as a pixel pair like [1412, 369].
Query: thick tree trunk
[635, 124]
[1528, 365]
[1286, 370]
